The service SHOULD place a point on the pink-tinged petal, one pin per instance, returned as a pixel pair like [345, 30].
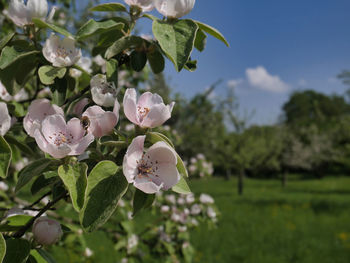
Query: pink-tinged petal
[5, 119]
[52, 126]
[161, 152]
[79, 107]
[167, 174]
[40, 140]
[81, 146]
[75, 130]
[132, 157]
[18, 12]
[129, 103]
[148, 100]
[147, 186]
[37, 8]
[157, 115]
[116, 108]
[101, 122]
[58, 151]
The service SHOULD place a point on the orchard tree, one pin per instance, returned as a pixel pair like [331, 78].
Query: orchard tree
[63, 98]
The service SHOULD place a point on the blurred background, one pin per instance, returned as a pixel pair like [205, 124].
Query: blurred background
[264, 127]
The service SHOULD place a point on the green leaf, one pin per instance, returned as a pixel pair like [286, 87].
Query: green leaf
[47, 74]
[5, 157]
[156, 61]
[2, 248]
[176, 39]
[32, 170]
[123, 44]
[182, 187]
[142, 201]
[74, 178]
[92, 27]
[6, 39]
[106, 185]
[112, 71]
[10, 55]
[200, 40]
[42, 24]
[18, 220]
[138, 60]
[212, 31]
[42, 182]
[154, 137]
[151, 17]
[191, 65]
[46, 255]
[17, 250]
[111, 7]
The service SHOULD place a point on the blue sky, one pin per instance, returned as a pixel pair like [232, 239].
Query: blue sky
[277, 47]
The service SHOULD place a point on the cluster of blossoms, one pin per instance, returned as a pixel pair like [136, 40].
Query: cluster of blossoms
[200, 167]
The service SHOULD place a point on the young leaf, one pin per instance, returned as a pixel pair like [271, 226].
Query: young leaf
[20, 145]
[46, 255]
[212, 31]
[176, 39]
[182, 187]
[92, 27]
[74, 178]
[5, 157]
[156, 61]
[47, 74]
[142, 201]
[17, 250]
[43, 181]
[6, 39]
[122, 44]
[2, 248]
[106, 185]
[34, 169]
[138, 60]
[112, 71]
[201, 40]
[10, 55]
[42, 24]
[111, 7]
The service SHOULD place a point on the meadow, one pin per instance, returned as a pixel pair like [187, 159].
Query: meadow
[308, 221]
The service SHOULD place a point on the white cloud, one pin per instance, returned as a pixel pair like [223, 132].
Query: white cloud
[259, 78]
[233, 83]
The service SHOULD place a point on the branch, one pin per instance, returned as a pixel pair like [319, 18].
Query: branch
[27, 226]
[37, 201]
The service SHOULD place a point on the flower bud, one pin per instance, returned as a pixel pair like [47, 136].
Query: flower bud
[174, 8]
[47, 231]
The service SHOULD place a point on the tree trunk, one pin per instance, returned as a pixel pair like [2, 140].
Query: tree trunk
[284, 179]
[228, 174]
[240, 182]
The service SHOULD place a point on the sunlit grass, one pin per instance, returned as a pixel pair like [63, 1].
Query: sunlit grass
[308, 221]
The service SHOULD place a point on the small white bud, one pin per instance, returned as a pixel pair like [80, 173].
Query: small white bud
[47, 231]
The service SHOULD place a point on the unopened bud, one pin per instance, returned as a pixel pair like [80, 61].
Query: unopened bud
[47, 231]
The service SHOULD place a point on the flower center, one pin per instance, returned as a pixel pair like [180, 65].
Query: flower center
[147, 168]
[142, 111]
[62, 52]
[61, 138]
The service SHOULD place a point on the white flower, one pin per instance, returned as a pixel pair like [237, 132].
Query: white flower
[206, 199]
[174, 8]
[21, 14]
[200, 156]
[88, 252]
[85, 63]
[103, 93]
[165, 209]
[211, 212]
[129, 127]
[171, 199]
[5, 119]
[46, 231]
[195, 209]
[145, 5]
[182, 228]
[3, 186]
[21, 164]
[194, 222]
[152, 170]
[100, 61]
[181, 201]
[190, 198]
[133, 240]
[61, 53]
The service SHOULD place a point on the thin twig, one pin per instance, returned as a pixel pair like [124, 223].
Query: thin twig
[24, 229]
[37, 201]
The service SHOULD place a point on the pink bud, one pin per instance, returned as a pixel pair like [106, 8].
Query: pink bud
[47, 231]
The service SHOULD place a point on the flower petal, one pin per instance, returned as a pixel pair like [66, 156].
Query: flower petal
[157, 115]
[148, 100]
[52, 125]
[37, 8]
[129, 104]
[81, 146]
[147, 186]
[132, 157]
[75, 130]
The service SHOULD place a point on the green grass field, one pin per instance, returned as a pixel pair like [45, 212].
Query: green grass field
[308, 221]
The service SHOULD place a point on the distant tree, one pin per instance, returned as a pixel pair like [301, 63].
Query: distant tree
[310, 107]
